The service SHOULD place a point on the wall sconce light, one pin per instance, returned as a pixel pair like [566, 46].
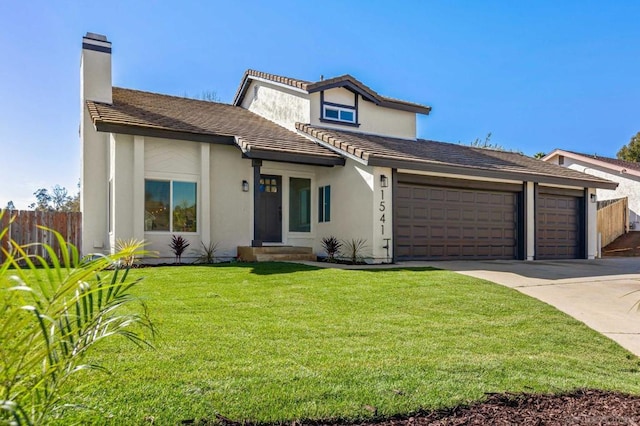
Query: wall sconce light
[593, 198]
[384, 181]
[245, 186]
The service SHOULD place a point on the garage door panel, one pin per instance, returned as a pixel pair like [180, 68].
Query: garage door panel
[459, 223]
[559, 233]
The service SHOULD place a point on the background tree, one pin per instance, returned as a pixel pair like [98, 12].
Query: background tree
[486, 143]
[59, 197]
[10, 206]
[631, 151]
[57, 200]
[539, 155]
[206, 95]
[43, 200]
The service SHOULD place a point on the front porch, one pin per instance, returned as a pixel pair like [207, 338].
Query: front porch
[274, 253]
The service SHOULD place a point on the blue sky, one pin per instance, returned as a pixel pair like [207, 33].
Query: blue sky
[537, 75]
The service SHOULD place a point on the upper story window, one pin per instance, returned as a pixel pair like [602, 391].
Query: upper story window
[339, 113]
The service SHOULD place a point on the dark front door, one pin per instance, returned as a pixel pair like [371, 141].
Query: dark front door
[270, 209]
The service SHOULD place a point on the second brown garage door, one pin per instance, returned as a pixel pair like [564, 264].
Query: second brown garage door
[559, 225]
[437, 223]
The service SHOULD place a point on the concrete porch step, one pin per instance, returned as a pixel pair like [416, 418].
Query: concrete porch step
[274, 253]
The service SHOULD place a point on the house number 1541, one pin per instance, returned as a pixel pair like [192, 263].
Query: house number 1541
[382, 209]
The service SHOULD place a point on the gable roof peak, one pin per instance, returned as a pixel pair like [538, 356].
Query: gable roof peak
[345, 80]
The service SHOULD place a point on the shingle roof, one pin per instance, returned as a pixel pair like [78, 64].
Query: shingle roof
[152, 114]
[449, 158]
[343, 80]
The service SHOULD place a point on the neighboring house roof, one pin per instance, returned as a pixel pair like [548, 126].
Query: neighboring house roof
[443, 157]
[620, 166]
[151, 114]
[345, 81]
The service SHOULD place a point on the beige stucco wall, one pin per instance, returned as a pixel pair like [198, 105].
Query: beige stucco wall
[279, 104]
[224, 211]
[373, 119]
[355, 203]
[231, 208]
[340, 95]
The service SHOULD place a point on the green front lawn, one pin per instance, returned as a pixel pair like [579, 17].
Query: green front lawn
[276, 341]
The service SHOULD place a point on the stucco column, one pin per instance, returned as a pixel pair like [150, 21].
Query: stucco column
[138, 188]
[591, 223]
[205, 194]
[530, 220]
[257, 238]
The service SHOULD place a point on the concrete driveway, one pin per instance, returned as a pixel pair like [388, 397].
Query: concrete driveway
[601, 293]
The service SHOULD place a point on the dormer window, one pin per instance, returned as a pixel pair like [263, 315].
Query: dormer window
[337, 112]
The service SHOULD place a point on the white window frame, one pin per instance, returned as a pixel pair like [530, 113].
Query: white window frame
[340, 109]
[171, 206]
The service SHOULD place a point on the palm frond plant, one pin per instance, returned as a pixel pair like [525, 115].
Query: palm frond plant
[353, 249]
[129, 249]
[51, 314]
[178, 245]
[207, 254]
[331, 246]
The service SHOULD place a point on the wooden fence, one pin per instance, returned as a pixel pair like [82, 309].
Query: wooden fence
[24, 229]
[613, 219]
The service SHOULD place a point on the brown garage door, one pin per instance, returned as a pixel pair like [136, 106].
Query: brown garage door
[433, 222]
[559, 230]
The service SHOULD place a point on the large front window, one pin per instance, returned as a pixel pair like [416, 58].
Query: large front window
[299, 205]
[170, 206]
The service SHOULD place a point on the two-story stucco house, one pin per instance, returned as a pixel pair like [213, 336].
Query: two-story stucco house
[293, 161]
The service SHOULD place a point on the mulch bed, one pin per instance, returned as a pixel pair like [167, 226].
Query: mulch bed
[585, 407]
[581, 407]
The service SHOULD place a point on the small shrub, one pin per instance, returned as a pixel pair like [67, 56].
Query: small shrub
[331, 246]
[178, 245]
[129, 248]
[207, 254]
[354, 249]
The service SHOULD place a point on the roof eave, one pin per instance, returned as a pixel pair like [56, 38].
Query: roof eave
[290, 157]
[419, 109]
[349, 85]
[128, 129]
[242, 90]
[479, 172]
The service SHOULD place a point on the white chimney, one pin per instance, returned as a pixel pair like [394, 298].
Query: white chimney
[95, 85]
[95, 69]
